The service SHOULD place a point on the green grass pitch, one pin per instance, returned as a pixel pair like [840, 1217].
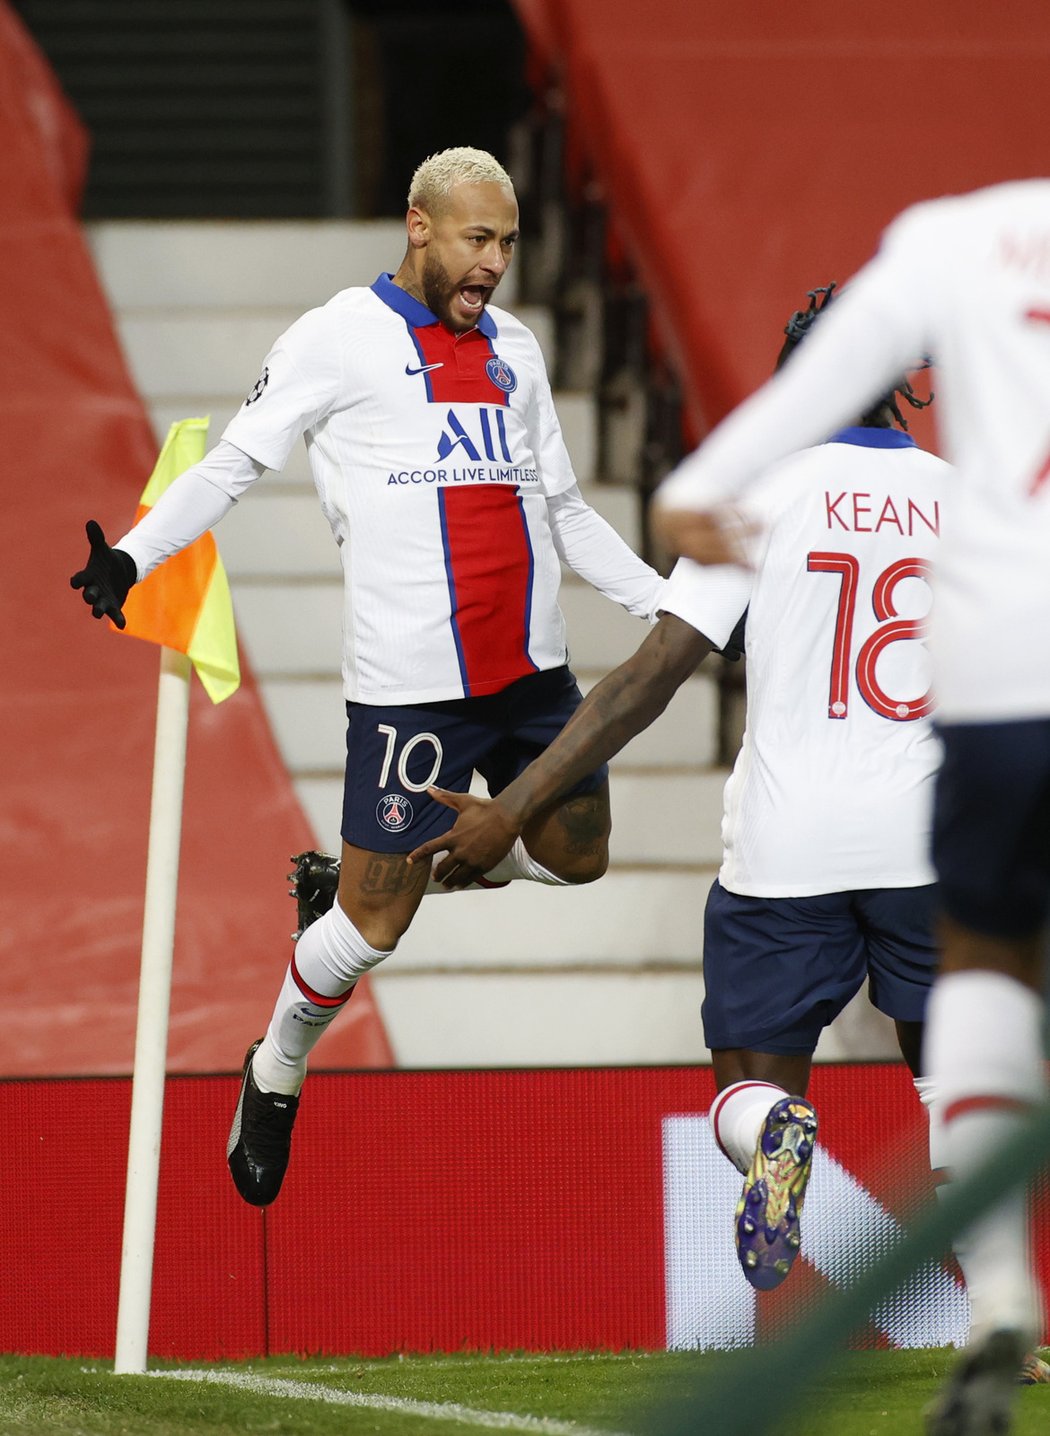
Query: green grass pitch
[859, 1394]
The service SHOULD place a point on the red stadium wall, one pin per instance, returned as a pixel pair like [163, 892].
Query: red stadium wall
[748, 153]
[533, 1210]
[78, 702]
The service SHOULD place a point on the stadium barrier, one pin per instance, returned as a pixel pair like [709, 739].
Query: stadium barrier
[568, 1209]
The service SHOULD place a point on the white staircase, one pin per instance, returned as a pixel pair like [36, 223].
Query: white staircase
[528, 976]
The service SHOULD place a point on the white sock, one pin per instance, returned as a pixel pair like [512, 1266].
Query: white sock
[927, 1090]
[983, 1052]
[516, 865]
[736, 1117]
[328, 960]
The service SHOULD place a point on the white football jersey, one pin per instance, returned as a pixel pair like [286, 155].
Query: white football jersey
[434, 455]
[966, 280]
[832, 789]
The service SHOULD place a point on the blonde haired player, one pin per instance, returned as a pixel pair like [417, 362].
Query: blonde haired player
[440, 465]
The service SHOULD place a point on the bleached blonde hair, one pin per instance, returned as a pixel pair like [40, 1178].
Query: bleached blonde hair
[436, 177]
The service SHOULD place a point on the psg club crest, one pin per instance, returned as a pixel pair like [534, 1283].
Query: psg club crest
[394, 812]
[501, 374]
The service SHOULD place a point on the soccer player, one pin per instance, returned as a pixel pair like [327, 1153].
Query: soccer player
[440, 465]
[966, 279]
[825, 878]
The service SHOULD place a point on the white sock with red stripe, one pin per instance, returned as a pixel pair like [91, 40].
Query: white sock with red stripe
[983, 1052]
[517, 864]
[927, 1090]
[328, 960]
[736, 1117]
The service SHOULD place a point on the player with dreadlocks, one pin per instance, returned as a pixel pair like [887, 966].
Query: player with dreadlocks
[825, 880]
[799, 325]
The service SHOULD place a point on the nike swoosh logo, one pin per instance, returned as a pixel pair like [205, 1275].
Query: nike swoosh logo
[425, 368]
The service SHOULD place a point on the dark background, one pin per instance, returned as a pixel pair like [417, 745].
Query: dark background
[277, 108]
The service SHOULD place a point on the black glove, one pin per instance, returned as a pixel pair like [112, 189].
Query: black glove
[106, 578]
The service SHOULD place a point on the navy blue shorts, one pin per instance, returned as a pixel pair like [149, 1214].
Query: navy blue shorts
[991, 826]
[778, 970]
[393, 754]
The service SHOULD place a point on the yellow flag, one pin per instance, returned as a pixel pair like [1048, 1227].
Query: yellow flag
[185, 603]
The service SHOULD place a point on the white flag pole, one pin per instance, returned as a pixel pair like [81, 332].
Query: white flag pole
[151, 1036]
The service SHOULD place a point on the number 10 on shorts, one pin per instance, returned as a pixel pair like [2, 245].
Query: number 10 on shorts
[416, 741]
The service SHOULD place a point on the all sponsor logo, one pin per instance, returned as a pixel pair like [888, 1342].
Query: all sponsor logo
[501, 374]
[394, 812]
[481, 433]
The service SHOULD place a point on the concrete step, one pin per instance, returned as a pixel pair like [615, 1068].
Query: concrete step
[228, 264]
[488, 1017]
[686, 733]
[629, 919]
[278, 531]
[578, 417]
[668, 818]
[292, 628]
[620, 507]
[659, 817]
[308, 720]
[477, 1018]
[601, 634]
[194, 353]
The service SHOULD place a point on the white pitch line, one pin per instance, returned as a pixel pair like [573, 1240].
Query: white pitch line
[431, 1410]
[457, 1361]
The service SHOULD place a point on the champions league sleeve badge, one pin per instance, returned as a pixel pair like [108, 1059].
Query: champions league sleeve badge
[257, 388]
[394, 812]
[501, 374]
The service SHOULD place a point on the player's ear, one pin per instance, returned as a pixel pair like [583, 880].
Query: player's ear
[417, 222]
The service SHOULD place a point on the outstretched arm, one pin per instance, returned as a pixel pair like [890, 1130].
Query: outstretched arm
[192, 505]
[619, 707]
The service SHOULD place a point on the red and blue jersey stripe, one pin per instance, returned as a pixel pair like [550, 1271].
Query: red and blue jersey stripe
[484, 531]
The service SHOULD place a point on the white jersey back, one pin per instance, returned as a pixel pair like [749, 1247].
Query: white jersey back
[966, 280]
[984, 265]
[832, 788]
[434, 456]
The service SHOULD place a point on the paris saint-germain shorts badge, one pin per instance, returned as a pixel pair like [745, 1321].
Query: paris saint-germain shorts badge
[394, 812]
[501, 374]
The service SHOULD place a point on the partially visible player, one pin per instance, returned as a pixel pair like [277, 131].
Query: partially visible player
[825, 880]
[440, 465]
[965, 279]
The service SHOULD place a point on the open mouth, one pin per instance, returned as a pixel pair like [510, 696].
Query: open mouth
[472, 297]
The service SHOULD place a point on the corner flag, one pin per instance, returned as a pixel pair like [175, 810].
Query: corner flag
[185, 604]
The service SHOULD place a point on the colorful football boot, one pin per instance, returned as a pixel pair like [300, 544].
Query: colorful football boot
[767, 1216]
